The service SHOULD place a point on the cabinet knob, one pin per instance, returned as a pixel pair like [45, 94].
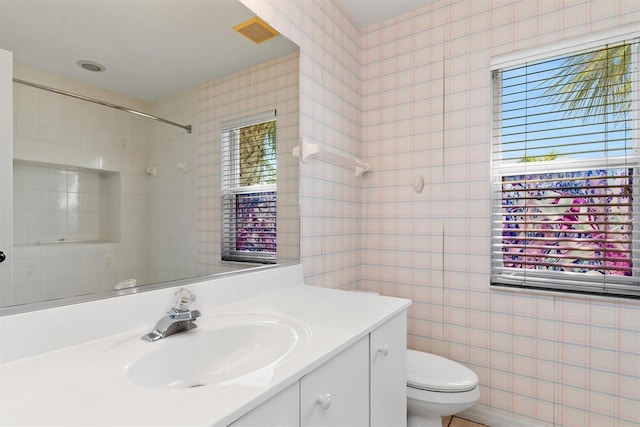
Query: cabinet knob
[324, 400]
[2, 256]
[384, 349]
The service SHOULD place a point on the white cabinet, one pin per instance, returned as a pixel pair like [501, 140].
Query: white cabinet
[337, 393]
[388, 373]
[282, 410]
[364, 385]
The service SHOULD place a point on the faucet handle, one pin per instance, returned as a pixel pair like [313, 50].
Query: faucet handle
[184, 298]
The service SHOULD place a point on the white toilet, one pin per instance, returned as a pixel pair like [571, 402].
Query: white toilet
[436, 388]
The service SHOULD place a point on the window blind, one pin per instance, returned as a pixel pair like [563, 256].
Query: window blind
[249, 189]
[564, 172]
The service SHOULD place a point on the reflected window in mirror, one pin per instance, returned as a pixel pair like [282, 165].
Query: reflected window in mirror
[249, 193]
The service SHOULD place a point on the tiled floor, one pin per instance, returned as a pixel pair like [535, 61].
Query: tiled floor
[459, 422]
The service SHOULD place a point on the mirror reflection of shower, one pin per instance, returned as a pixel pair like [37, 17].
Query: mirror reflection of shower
[87, 216]
[107, 200]
[138, 205]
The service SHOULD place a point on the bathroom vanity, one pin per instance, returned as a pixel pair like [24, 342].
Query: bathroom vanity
[362, 385]
[268, 350]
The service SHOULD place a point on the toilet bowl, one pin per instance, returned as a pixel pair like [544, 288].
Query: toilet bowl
[436, 388]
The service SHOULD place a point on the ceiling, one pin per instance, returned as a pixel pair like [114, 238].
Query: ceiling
[368, 12]
[150, 49]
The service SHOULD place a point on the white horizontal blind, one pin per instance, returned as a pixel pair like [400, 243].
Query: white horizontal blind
[249, 189]
[565, 170]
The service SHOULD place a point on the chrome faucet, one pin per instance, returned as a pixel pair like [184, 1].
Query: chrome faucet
[179, 318]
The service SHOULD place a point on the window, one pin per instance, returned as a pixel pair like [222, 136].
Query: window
[249, 192]
[565, 171]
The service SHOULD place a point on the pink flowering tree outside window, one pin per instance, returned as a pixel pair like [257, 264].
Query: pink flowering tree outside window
[572, 221]
[256, 219]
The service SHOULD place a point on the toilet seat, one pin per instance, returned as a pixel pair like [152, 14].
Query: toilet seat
[434, 373]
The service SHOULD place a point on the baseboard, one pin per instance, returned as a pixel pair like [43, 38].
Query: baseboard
[484, 415]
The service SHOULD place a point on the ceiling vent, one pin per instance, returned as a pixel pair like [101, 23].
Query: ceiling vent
[256, 30]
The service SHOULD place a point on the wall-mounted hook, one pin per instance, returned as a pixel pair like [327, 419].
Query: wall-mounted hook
[418, 183]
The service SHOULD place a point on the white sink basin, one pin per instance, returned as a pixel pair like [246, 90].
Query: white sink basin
[222, 350]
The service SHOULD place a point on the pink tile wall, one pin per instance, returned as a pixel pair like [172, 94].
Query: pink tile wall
[415, 90]
[563, 360]
[331, 115]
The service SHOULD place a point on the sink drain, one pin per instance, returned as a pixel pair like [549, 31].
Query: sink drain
[195, 385]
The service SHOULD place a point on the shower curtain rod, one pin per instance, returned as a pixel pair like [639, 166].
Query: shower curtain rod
[106, 104]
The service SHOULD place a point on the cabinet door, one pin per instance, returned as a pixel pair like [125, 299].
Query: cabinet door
[282, 410]
[337, 393]
[388, 373]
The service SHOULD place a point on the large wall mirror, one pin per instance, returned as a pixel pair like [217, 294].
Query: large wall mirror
[106, 202]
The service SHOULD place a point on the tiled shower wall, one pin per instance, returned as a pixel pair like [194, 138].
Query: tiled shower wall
[172, 199]
[51, 129]
[416, 93]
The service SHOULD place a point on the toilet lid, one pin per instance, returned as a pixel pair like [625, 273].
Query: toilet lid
[430, 372]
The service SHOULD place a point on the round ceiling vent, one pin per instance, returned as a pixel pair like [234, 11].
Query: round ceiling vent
[91, 66]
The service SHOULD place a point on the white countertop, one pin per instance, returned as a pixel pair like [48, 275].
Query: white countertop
[48, 389]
